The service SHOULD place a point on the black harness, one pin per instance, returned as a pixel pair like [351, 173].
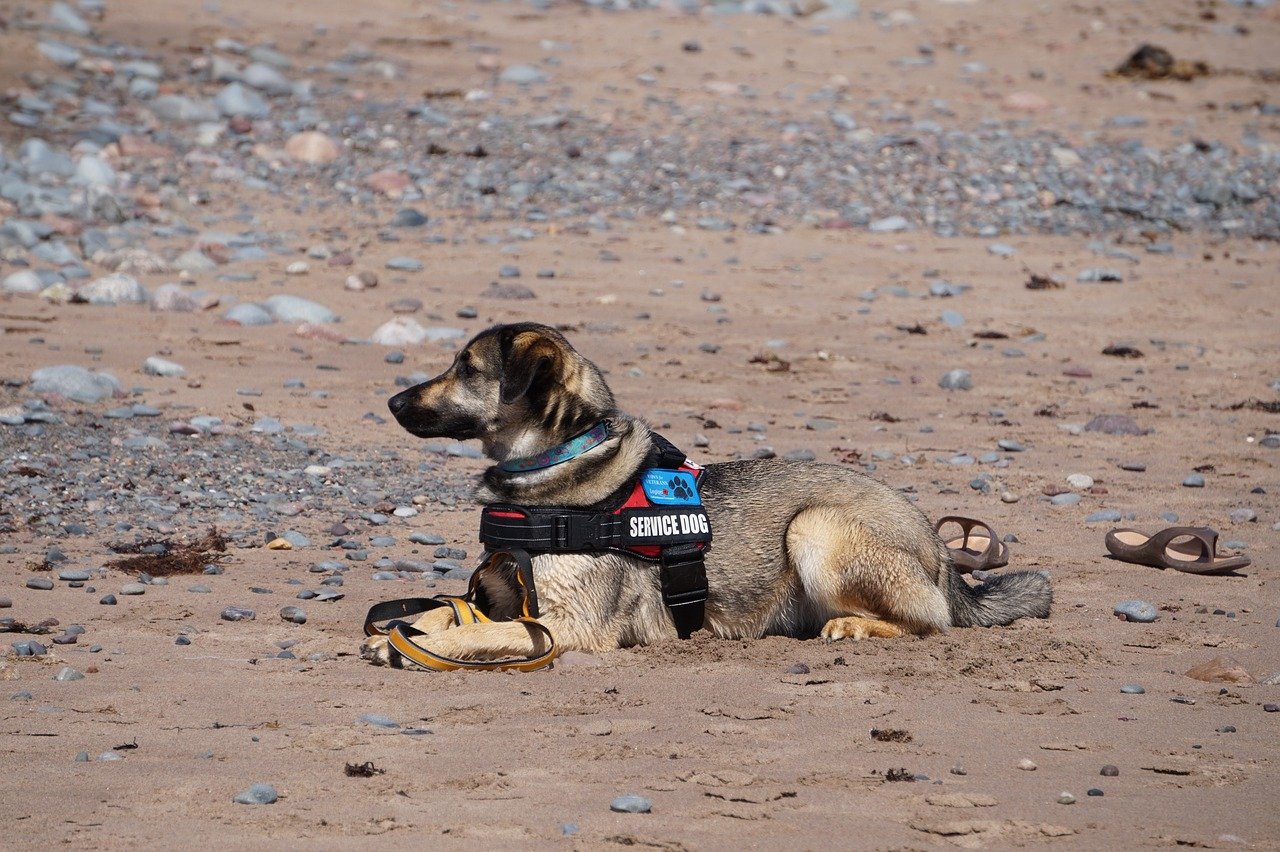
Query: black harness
[644, 519]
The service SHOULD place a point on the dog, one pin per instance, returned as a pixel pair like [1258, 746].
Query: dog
[801, 549]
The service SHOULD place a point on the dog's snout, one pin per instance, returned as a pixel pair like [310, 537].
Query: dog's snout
[398, 402]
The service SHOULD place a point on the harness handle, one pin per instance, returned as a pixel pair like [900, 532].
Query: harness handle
[402, 636]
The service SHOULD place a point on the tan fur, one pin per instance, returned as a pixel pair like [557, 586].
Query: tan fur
[799, 549]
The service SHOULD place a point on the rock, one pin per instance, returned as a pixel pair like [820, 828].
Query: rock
[298, 267]
[1135, 610]
[389, 182]
[67, 673]
[236, 99]
[405, 264]
[1195, 480]
[178, 299]
[1098, 274]
[399, 331]
[890, 224]
[65, 19]
[236, 613]
[154, 366]
[1027, 765]
[1106, 515]
[951, 318]
[522, 75]
[75, 383]
[293, 614]
[42, 584]
[24, 282]
[194, 261]
[258, 794]
[956, 380]
[184, 110]
[378, 720]
[92, 171]
[631, 804]
[286, 308]
[133, 589]
[1243, 516]
[248, 313]
[1065, 499]
[1133, 689]
[58, 53]
[408, 218]
[112, 290]
[267, 79]
[1114, 424]
[1221, 669]
[1065, 798]
[311, 146]
[1080, 481]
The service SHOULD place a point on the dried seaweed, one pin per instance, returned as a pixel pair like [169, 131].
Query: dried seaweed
[890, 735]
[177, 558]
[363, 770]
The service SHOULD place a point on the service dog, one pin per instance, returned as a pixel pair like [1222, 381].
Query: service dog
[801, 549]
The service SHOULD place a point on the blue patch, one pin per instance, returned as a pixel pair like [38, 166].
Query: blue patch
[670, 487]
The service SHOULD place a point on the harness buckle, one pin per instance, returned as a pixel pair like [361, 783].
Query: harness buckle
[575, 532]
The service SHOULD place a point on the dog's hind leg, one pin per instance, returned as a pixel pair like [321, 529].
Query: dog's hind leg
[866, 582]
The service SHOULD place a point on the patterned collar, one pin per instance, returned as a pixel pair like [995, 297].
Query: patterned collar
[570, 449]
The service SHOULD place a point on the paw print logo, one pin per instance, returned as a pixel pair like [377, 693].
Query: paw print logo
[679, 488]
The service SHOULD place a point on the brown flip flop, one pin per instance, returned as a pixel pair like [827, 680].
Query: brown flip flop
[977, 548]
[1193, 550]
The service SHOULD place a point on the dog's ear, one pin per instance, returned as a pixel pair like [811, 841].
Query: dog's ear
[527, 357]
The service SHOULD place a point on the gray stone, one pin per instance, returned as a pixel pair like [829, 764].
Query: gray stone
[68, 673]
[287, 308]
[258, 794]
[1067, 499]
[236, 613]
[238, 99]
[1010, 446]
[75, 383]
[293, 614]
[951, 318]
[1108, 515]
[1132, 689]
[1114, 424]
[92, 171]
[405, 264]
[265, 78]
[956, 380]
[408, 218]
[1136, 610]
[631, 804]
[248, 313]
[113, 290]
[1097, 274]
[1194, 480]
[154, 366]
[183, 110]
[1243, 516]
[74, 574]
[42, 584]
[522, 75]
[23, 282]
[378, 720]
[65, 19]
[58, 53]
[133, 589]
[890, 224]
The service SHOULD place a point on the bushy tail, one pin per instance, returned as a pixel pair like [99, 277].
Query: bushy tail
[1000, 600]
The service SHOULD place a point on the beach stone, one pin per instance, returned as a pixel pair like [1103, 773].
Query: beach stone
[1065, 499]
[1243, 516]
[1080, 481]
[23, 282]
[1106, 515]
[631, 804]
[113, 289]
[258, 794]
[956, 380]
[154, 366]
[68, 673]
[236, 99]
[1133, 467]
[1114, 424]
[43, 584]
[1221, 669]
[1010, 446]
[399, 331]
[107, 600]
[133, 589]
[180, 109]
[1133, 689]
[1195, 480]
[522, 75]
[311, 146]
[266, 78]
[1094, 791]
[951, 318]
[407, 217]
[1027, 765]
[1136, 610]
[378, 720]
[1065, 798]
[405, 264]
[74, 574]
[236, 613]
[248, 314]
[293, 614]
[286, 308]
[1109, 771]
[889, 225]
[110, 756]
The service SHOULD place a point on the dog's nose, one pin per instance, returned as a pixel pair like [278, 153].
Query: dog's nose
[398, 402]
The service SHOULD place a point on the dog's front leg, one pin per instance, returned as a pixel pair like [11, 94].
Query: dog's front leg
[377, 650]
[491, 641]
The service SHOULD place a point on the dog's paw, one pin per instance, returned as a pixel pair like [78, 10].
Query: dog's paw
[377, 650]
[857, 628]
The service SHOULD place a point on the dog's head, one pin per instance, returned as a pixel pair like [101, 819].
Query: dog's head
[518, 388]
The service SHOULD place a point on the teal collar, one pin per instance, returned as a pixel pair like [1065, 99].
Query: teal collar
[570, 449]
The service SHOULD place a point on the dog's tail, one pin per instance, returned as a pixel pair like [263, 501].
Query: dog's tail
[1002, 599]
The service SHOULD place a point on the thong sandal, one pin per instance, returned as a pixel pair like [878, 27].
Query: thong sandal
[977, 548]
[1193, 550]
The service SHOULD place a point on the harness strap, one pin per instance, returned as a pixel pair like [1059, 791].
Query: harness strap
[684, 587]
[402, 636]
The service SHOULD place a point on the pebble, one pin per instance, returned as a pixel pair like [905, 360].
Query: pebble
[405, 264]
[1110, 771]
[1065, 798]
[75, 383]
[292, 614]
[1010, 446]
[311, 146]
[1080, 481]
[1195, 480]
[39, 583]
[258, 794]
[1243, 516]
[1094, 791]
[67, 673]
[1067, 498]
[1136, 610]
[1027, 765]
[522, 75]
[378, 720]
[1107, 515]
[1133, 689]
[284, 307]
[631, 804]
[236, 613]
[154, 366]
[133, 589]
[956, 380]
[107, 600]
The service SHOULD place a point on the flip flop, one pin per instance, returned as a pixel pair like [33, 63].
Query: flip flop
[977, 548]
[1192, 550]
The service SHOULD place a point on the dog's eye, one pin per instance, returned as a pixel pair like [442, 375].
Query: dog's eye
[465, 369]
